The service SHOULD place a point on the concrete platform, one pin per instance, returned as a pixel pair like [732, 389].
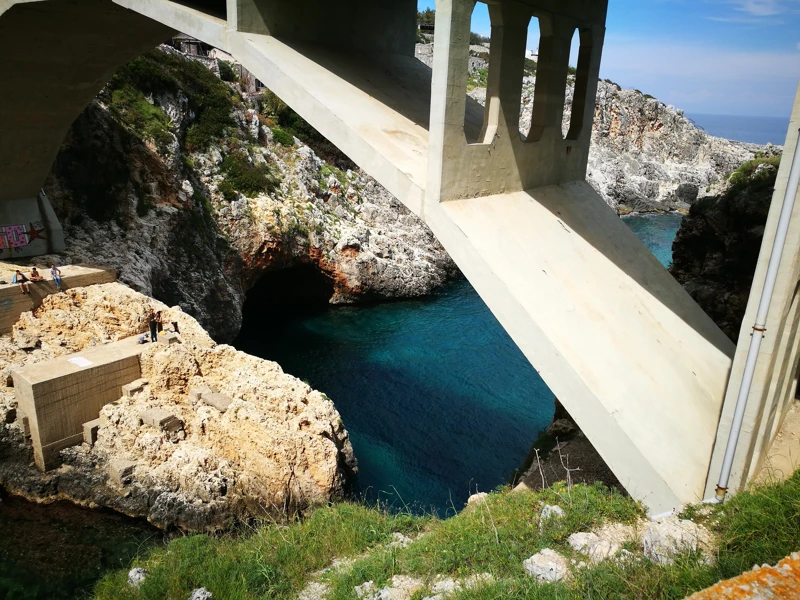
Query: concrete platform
[60, 395]
[13, 302]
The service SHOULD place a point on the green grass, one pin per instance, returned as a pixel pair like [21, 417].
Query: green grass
[282, 137]
[743, 176]
[273, 561]
[478, 79]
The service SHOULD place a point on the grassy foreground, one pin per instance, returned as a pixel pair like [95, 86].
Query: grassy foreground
[273, 561]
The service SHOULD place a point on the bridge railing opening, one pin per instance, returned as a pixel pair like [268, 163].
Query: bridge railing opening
[215, 8]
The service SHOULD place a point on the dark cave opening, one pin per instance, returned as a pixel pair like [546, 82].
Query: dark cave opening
[295, 290]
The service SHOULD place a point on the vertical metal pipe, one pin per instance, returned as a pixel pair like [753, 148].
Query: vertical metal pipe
[761, 319]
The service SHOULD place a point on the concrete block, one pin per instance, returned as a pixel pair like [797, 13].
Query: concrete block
[26, 426]
[90, 431]
[168, 338]
[196, 393]
[161, 419]
[134, 387]
[219, 401]
[121, 471]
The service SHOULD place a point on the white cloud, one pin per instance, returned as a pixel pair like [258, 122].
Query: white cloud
[759, 8]
[764, 8]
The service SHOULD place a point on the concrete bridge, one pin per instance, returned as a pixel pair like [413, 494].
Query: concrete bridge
[641, 368]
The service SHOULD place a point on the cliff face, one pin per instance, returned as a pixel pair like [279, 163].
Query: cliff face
[648, 157]
[715, 252]
[193, 192]
[279, 446]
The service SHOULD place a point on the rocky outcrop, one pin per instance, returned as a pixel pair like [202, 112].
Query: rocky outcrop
[715, 252]
[193, 190]
[162, 451]
[649, 157]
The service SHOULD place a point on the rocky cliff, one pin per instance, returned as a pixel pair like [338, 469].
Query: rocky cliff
[715, 252]
[279, 446]
[193, 190]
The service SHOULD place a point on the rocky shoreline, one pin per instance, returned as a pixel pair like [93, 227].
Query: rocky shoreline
[275, 448]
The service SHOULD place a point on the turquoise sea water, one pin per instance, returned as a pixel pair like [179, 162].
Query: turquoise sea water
[437, 398]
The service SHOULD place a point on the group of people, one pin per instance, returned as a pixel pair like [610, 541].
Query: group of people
[34, 276]
[156, 323]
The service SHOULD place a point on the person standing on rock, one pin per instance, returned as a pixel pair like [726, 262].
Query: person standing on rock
[55, 272]
[152, 321]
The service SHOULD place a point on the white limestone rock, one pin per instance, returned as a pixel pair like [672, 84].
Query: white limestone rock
[314, 590]
[665, 539]
[476, 499]
[137, 576]
[593, 546]
[550, 512]
[401, 587]
[547, 566]
[222, 465]
[201, 594]
[400, 541]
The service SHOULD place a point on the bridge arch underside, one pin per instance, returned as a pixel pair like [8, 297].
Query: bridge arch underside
[631, 356]
[59, 55]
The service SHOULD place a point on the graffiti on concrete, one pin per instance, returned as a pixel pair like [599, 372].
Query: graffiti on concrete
[15, 237]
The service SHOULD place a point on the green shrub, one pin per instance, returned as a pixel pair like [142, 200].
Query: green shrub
[530, 66]
[243, 177]
[159, 72]
[478, 79]
[147, 121]
[476, 38]
[281, 137]
[226, 72]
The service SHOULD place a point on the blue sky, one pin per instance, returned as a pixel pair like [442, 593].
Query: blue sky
[729, 57]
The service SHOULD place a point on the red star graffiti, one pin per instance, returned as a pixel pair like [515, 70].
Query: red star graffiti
[34, 234]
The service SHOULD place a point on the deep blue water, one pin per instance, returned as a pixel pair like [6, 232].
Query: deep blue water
[757, 130]
[438, 400]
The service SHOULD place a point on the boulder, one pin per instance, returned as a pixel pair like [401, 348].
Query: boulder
[137, 576]
[547, 566]
[664, 540]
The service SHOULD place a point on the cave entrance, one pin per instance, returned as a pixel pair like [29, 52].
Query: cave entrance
[292, 291]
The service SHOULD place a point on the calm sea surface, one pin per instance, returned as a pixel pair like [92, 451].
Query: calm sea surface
[438, 400]
[757, 130]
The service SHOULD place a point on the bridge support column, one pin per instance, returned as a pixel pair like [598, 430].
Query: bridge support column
[775, 378]
[474, 154]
